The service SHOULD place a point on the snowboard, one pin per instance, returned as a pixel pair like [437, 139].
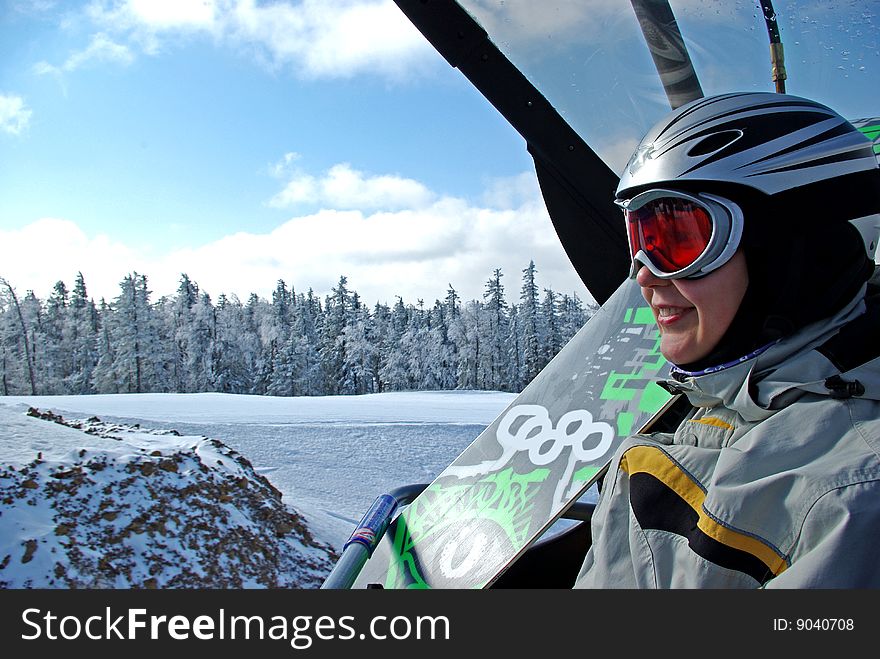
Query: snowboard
[541, 454]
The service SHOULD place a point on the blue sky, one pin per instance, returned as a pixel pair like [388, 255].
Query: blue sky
[244, 142]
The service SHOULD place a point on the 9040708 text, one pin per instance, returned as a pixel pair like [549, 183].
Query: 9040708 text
[813, 624]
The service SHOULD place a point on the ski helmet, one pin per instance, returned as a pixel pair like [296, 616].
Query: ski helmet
[787, 147]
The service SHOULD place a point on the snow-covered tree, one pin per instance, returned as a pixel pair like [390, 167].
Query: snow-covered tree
[359, 357]
[137, 353]
[338, 311]
[529, 326]
[82, 338]
[443, 352]
[17, 354]
[179, 327]
[493, 331]
[201, 342]
[551, 335]
[104, 377]
[395, 367]
[235, 348]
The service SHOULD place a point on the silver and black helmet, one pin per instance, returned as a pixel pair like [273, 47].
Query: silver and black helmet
[771, 142]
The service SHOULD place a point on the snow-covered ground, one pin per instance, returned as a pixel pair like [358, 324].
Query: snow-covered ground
[328, 456]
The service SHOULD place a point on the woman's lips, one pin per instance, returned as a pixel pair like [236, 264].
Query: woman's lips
[668, 315]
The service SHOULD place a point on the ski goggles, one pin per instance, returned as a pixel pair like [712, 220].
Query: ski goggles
[677, 235]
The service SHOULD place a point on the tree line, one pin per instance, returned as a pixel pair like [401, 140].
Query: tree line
[292, 345]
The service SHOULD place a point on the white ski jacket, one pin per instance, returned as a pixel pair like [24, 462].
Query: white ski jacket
[773, 481]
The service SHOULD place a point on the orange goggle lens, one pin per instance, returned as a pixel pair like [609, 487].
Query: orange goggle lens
[672, 232]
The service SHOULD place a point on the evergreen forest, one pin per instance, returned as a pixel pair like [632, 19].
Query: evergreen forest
[294, 344]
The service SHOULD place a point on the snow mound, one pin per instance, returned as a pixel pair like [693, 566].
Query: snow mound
[136, 508]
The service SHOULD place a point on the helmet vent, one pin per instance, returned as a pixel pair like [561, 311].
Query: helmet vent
[714, 142]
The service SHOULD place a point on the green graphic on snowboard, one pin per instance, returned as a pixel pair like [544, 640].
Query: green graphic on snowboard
[505, 498]
[633, 385]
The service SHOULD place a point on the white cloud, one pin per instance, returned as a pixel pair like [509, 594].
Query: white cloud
[52, 249]
[284, 167]
[413, 252]
[101, 49]
[153, 15]
[14, 114]
[512, 191]
[314, 37]
[342, 187]
[32, 6]
[324, 39]
[168, 14]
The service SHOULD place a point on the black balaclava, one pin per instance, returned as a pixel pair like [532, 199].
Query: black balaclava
[800, 271]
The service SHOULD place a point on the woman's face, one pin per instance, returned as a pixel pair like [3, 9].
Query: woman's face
[693, 314]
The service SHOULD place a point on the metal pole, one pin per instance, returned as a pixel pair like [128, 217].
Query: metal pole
[777, 56]
[367, 535]
[668, 51]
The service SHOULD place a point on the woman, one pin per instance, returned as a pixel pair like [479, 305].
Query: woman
[753, 220]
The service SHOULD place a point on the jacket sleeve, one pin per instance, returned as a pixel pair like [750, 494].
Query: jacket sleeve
[836, 547]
